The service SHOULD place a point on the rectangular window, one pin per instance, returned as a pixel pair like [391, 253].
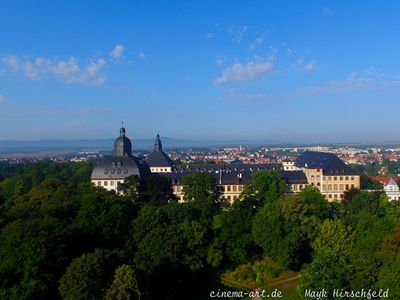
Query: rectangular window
[229, 188]
[105, 183]
[240, 188]
[335, 178]
[324, 187]
[341, 187]
[341, 178]
[347, 177]
[335, 187]
[234, 188]
[329, 187]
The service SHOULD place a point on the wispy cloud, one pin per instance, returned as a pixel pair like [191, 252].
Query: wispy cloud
[141, 55]
[238, 33]
[236, 96]
[219, 60]
[118, 51]
[307, 66]
[257, 42]
[351, 83]
[327, 11]
[251, 70]
[68, 71]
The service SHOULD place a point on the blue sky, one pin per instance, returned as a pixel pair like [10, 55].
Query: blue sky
[285, 71]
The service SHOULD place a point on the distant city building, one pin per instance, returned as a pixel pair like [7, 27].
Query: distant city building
[112, 170]
[390, 187]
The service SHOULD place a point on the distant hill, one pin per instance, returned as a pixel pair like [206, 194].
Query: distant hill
[9, 146]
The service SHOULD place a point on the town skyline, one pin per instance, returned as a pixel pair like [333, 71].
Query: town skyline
[275, 71]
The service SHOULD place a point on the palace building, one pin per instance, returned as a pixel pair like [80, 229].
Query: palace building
[112, 170]
[325, 171]
[328, 173]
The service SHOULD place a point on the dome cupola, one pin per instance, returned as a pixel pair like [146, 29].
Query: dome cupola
[122, 145]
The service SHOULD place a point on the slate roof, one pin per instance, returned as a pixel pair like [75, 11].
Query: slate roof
[330, 163]
[226, 167]
[238, 177]
[119, 167]
[159, 159]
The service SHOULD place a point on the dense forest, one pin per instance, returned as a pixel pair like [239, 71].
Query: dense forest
[63, 238]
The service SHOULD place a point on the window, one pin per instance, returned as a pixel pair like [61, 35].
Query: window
[234, 188]
[341, 187]
[329, 178]
[112, 182]
[335, 187]
[347, 177]
[312, 178]
[329, 196]
[240, 188]
[341, 178]
[335, 178]
[105, 183]
[347, 187]
[234, 197]
[352, 177]
[324, 186]
[335, 196]
[329, 187]
[99, 183]
[229, 188]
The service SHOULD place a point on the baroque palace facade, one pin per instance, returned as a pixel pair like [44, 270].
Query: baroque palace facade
[325, 171]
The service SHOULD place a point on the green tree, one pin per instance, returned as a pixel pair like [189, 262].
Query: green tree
[200, 187]
[124, 285]
[264, 187]
[285, 228]
[235, 230]
[331, 267]
[88, 275]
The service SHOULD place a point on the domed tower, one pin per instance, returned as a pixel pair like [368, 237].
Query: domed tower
[159, 161]
[122, 145]
[112, 170]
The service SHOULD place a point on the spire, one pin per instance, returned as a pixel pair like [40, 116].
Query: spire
[157, 144]
[122, 130]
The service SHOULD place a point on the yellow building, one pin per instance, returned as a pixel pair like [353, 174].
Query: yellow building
[328, 173]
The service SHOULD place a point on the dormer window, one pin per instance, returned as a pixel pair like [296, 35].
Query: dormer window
[106, 171]
[119, 164]
[113, 163]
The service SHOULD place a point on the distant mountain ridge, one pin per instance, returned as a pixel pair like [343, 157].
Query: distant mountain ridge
[107, 144]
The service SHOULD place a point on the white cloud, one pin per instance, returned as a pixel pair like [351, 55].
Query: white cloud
[141, 55]
[117, 51]
[252, 70]
[68, 71]
[257, 42]
[289, 51]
